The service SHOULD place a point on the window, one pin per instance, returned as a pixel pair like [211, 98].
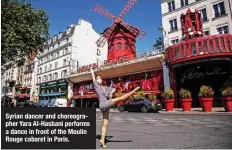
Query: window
[55, 75]
[56, 65]
[206, 32]
[223, 30]
[44, 78]
[173, 25]
[45, 68]
[40, 70]
[77, 63]
[48, 57]
[126, 46]
[98, 52]
[219, 9]
[184, 3]
[175, 41]
[51, 56]
[204, 14]
[39, 79]
[64, 62]
[41, 60]
[50, 67]
[66, 51]
[58, 54]
[64, 73]
[59, 44]
[171, 6]
[119, 46]
[50, 76]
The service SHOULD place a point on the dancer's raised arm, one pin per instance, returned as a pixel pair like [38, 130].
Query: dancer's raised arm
[92, 73]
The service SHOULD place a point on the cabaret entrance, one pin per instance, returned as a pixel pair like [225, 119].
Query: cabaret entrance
[216, 73]
[201, 61]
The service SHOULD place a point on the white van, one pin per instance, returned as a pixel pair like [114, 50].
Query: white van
[61, 102]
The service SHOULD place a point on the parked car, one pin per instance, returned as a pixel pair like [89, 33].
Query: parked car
[141, 105]
[61, 102]
[42, 103]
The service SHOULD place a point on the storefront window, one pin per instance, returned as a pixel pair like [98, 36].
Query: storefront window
[63, 89]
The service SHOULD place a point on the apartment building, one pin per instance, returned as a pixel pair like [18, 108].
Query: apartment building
[63, 54]
[216, 16]
[8, 79]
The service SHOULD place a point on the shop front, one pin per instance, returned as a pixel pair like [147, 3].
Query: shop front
[54, 89]
[148, 75]
[201, 61]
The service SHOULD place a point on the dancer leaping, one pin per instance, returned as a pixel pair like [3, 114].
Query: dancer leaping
[106, 101]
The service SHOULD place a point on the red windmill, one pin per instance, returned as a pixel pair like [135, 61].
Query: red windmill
[120, 35]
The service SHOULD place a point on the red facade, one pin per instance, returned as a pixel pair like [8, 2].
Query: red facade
[149, 82]
[121, 44]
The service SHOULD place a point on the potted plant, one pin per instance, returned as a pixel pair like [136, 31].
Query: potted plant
[140, 95]
[168, 96]
[152, 97]
[206, 98]
[185, 99]
[227, 99]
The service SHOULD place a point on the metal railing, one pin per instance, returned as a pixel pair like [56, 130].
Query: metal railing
[143, 56]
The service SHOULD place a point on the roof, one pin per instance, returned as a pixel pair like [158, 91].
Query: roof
[123, 27]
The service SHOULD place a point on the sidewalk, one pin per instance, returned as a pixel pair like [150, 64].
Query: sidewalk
[194, 111]
[197, 111]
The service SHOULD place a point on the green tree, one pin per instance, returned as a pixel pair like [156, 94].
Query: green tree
[158, 42]
[24, 30]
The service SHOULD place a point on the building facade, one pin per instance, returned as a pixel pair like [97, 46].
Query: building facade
[216, 16]
[63, 54]
[8, 80]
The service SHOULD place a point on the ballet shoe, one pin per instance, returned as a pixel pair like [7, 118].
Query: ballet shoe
[102, 144]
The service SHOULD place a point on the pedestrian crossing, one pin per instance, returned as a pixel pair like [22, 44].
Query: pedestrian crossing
[162, 121]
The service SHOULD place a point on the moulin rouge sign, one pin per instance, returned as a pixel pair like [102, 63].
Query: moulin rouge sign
[106, 63]
[204, 46]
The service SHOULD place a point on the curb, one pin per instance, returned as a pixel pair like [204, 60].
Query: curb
[196, 113]
[163, 112]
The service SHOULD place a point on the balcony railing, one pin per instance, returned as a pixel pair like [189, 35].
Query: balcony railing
[143, 56]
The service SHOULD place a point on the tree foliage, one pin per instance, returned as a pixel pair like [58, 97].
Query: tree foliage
[24, 30]
[158, 42]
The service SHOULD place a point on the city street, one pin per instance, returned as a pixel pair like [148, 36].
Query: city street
[159, 131]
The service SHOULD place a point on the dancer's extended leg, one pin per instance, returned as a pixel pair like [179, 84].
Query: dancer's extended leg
[124, 97]
[104, 127]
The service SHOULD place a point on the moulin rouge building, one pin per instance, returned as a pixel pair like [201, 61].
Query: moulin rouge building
[197, 60]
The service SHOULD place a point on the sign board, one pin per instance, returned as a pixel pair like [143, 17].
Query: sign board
[200, 47]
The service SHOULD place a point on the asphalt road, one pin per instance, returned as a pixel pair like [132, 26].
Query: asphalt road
[157, 131]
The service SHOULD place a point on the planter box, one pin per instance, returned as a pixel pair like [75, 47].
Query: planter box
[206, 103]
[169, 104]
[186, 104]
[227, 103]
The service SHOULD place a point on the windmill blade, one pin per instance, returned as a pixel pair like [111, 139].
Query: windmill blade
[128, 6]
[137, 32]
[99, 9]
[103, 39]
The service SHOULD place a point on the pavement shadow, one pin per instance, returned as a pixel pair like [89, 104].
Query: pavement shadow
[107, 139]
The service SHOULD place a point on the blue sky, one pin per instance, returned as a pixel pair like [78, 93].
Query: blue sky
[145, 14]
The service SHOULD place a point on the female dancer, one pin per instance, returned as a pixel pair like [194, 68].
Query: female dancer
[104, 94]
